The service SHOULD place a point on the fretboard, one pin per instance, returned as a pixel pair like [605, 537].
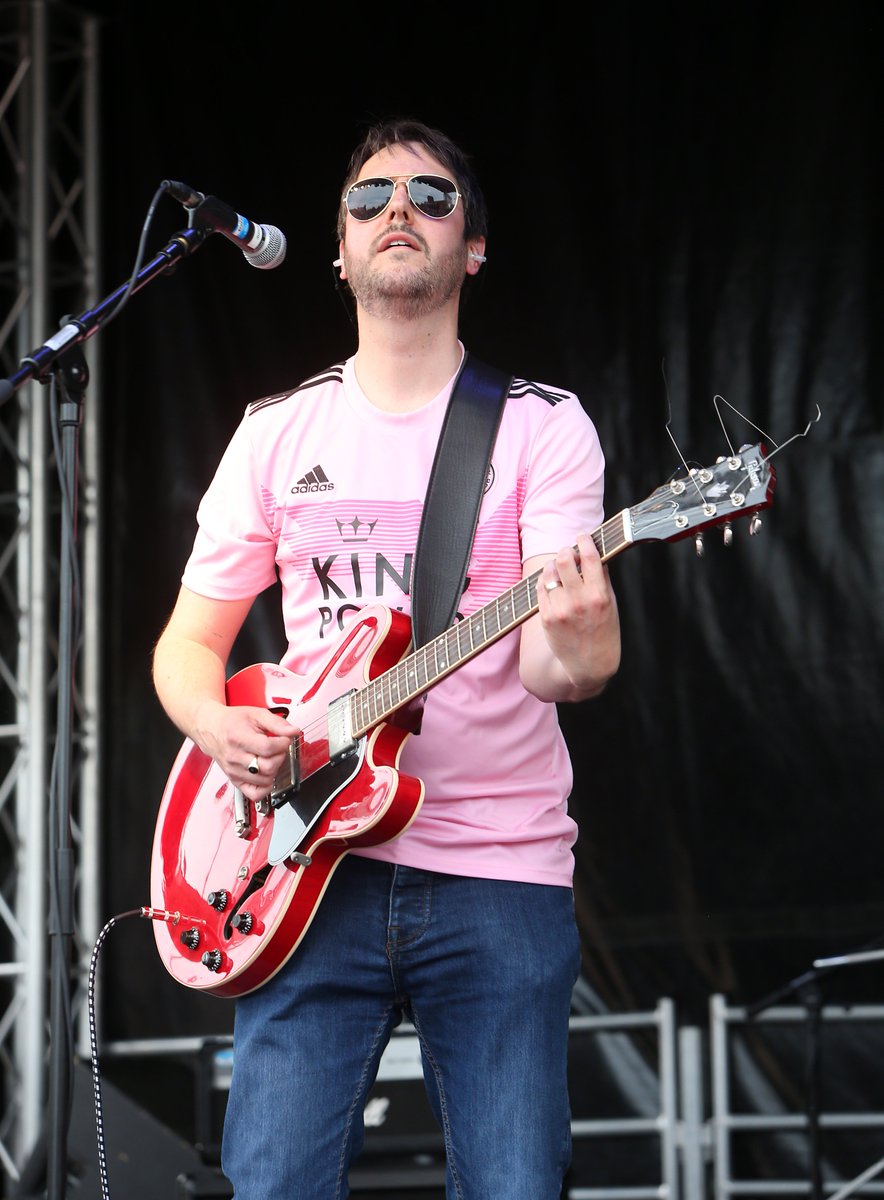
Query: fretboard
[426, 666]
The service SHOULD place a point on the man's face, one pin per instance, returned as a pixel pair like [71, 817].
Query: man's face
[402, 263]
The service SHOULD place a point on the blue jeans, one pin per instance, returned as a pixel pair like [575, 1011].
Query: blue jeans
[483, 969]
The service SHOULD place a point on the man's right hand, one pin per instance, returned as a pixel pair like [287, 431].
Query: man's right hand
[248, 744]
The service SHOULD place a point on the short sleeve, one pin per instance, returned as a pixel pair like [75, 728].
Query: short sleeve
[234, 551]
[564, 489]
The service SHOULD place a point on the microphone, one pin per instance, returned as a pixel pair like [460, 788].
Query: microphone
[263, 246]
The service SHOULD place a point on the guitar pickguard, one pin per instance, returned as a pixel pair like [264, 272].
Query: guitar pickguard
[294, 819]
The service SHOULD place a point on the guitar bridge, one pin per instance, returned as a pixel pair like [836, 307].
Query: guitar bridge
[241, 819]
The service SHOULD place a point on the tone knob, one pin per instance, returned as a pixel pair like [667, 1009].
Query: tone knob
[243, 922]
[211, 960]
[218, 900]
[190, 938]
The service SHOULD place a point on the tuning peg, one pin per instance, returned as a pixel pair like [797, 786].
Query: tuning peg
[698, 544]
[754, 524]
[727, 533]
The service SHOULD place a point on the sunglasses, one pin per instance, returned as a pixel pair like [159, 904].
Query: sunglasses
[433, 195]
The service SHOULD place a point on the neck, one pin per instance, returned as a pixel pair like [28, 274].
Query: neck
[402, 365]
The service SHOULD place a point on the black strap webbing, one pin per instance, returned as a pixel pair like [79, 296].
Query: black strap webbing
[454, 497]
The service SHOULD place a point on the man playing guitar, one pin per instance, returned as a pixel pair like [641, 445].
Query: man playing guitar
[463, 923]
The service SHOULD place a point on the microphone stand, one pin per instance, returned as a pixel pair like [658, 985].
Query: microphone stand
[806, 987]
[61, 362]
[38, 364]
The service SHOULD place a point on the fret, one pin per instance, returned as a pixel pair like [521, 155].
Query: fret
[453, 646]
[522, 602]
[480, 627]
[397, 691]
[473, 623]
[465, 633]
[422, 674]
[370, 706]
[443, 659]
[459, 628]
[505, 608]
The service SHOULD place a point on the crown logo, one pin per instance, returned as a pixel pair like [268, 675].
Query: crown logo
[355, 530]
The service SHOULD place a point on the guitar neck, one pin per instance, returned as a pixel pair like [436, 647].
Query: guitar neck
[423, 668]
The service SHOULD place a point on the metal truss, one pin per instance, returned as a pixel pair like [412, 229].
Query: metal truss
[48, 269]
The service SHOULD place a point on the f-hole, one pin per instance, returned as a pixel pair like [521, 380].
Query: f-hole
[255, 884]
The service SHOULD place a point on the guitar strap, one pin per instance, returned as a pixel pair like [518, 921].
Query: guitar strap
[454, 496]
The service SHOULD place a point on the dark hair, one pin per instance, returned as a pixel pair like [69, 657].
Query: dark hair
[401, 131]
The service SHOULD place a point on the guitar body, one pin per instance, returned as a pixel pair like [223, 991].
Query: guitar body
[201, 851]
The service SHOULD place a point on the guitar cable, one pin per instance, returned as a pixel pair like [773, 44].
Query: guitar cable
[156, 914]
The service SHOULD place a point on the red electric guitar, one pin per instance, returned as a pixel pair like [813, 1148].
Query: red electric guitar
[235, 885]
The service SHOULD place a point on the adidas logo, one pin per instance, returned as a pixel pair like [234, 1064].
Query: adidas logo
[314, 481]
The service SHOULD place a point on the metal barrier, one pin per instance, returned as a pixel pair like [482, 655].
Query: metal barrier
[776, 1115]
[658, 1084]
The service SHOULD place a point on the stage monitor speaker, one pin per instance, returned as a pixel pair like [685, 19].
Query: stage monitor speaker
[144, 1158]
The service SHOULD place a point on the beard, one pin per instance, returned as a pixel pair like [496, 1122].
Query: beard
[407, 293]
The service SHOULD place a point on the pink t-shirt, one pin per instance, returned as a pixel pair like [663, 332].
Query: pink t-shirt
[324, 488]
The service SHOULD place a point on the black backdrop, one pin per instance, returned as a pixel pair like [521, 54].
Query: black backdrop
[685, 202]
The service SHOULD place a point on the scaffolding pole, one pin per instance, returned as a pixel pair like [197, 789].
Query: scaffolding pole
[49, 219]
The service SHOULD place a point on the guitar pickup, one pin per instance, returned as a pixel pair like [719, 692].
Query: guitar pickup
[291, 780]
[341, 743]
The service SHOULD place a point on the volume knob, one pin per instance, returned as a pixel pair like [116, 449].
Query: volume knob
[218, 900]
[243, 922]
[190, 938]
[211, 960]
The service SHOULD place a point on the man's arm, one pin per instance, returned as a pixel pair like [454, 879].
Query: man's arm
[571, 648]
[189, 675]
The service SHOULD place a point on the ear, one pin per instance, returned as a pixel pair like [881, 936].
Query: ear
[475, 255]
[342, 270]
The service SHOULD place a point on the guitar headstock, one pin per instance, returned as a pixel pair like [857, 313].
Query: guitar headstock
[731, 489]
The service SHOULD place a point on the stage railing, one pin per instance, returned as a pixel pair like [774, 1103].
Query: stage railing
[783, 1103]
